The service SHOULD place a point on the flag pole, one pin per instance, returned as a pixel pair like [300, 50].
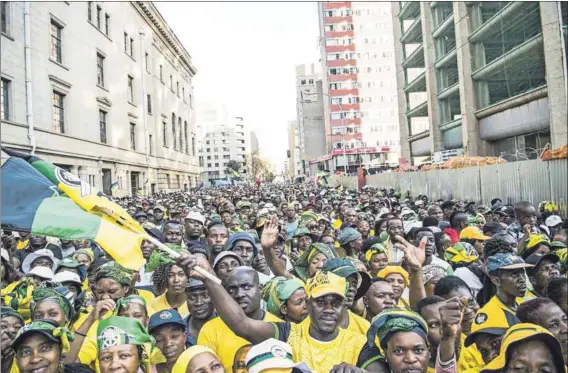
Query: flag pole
[176, 255]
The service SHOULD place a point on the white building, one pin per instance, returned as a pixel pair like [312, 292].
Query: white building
[103, 89]
[225, 138]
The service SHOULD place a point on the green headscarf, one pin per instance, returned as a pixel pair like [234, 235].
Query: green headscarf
[306, 217]
[393, 320]
[277, 291]
[118, 330]
[125, 301]
[42, 294]
[87, 252]
[377, 248]
[303, 262]
[50, 330]
[115, 272]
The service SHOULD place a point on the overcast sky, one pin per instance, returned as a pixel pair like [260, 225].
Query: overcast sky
[246, 54]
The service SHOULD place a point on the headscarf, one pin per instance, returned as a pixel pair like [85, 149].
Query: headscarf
[348, 235]
[303, 262]
[377, 248]
[63, 297]
[432, 271]
[50, 330]
[87, 252]
[393, 320]
[185, 358]
[115, 272]
[125, 301]
[389, 270]
[306, 217]
[460, 252]
[277, 291]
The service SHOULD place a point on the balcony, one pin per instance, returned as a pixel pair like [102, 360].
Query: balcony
[410, 10]
[344, 92]
[414, 33]
[450, 125]
[341, 63]
[339, 34]
[420, 110]
[340, 48]
[415, 60]
[345, 107]
[339, 19]
[341, 77]
[345, 122]
[336, 5]
[417, 85]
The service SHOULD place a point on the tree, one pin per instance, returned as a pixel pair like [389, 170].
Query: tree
[234, 165]
[260, 168]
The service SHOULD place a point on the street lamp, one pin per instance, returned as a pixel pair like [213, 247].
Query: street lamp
[342, 122]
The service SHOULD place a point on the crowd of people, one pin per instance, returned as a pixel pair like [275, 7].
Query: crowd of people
[313, 278]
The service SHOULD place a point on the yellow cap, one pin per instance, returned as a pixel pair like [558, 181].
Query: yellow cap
[536, 239]
[324, 283]
[525, 332]
[495, 324]
[473, 233]
[389, 270]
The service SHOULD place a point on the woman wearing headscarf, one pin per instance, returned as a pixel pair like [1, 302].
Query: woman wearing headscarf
[399, 279]
[11, 322]
[198, 359]
[42, 346]
[312, 260]
[431, 274]
[54, 304]
[528, 348]
[377, 258]
[122, 344]
[286, 299]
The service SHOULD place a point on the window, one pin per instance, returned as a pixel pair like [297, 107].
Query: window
[146, 61]
[165, 134]
[171, 83]
[183, 93]
[174, 137]
[5, 16]
[161, 73]
[56, 41]
[168, 181]
[58, 112]
[177, 88]
[190, 101]
[89, 10]
[132, 136]
[102, 126]
[99, 10]
[100, 70]
[131, 47]
[180, 135]
[150, 145]
[125, 43]
[5, 100]
[149, 104]
[107, 24]
[216, 164]
[185, 136]
[130, 91]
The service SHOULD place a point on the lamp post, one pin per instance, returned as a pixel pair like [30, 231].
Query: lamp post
[342, 122]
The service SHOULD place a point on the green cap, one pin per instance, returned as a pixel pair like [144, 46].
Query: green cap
[118, 330]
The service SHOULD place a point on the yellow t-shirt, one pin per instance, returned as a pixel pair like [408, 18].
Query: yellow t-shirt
[81, 319]
[161, 303]
[14, 368]
[496, 314]
[147, 295]
[403, 303]
[322, 356]
[470, 357]
[357, 324]
[216, 335]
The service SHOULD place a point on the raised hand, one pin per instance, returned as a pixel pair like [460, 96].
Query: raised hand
[413, 256]
[269, 236]
[451, 314]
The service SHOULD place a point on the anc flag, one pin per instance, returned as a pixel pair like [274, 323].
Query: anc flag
[236, 174]
[32, 203]
[82, 193]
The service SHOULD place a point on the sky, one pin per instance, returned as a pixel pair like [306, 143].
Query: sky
[246, 54]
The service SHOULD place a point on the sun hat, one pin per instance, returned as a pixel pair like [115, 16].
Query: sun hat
[42, 253]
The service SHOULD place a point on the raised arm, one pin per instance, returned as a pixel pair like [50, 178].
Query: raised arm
[254, 331]
[414, 258]
[268, 242]
[451, 315]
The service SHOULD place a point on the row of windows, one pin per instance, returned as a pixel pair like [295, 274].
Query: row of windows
[304, 81]
[180, 143]
[99, 18]
[358, 99]
[358, 70]
[216, 157]
[339, 27]
[359, 56]
[338, 12]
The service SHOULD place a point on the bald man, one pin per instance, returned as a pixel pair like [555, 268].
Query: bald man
[243, 286]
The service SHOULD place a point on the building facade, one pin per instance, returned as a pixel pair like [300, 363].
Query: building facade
[310, 115]
[480, 78]
[294, 154]
[357, 54]
[101, 89]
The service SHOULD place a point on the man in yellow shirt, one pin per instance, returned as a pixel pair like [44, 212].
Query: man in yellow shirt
[243, 286]
[322, 344]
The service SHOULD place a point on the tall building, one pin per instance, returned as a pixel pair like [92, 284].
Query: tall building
[310, 115]
[357, 54]
[480, 78]
[293, 153]
[102, 89]
[224, 138]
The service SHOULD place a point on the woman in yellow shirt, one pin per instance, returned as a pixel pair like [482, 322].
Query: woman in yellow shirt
[399, 280]
[170, 282]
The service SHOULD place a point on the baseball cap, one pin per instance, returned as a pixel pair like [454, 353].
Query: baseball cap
[225, 254]
[159, 207]
[140, 214]
[345, 268]
[66, 276]
[535, 260]
[194, 215]
[506, 261]
[324, 283]
[44, 327]
[42, 272]
[553, 220]
[165, 317]
[473, 233]
[483, 324]
[271, 355]
[195, 284]
[537, 239]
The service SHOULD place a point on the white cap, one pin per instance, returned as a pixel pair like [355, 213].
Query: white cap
[41, 271]
[195, 215]
[5, 255]
[553, 220]
[269, 355]
[66, 276]
[31, 257]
